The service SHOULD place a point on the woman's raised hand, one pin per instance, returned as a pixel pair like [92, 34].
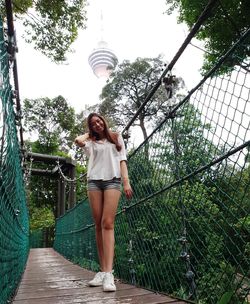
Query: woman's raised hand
[80, 140]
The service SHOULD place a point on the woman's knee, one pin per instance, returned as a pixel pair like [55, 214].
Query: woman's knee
[108, 224]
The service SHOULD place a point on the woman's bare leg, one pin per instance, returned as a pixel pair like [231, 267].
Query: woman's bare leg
[96, 204]
[111, 200]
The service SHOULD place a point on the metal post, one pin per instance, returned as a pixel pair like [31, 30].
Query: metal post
[62, 197]
[58, 212]
[72, 186]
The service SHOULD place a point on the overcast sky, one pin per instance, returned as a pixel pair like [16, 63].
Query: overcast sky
[131, 28]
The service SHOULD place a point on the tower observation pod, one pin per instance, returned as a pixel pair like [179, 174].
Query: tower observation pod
[102, 60]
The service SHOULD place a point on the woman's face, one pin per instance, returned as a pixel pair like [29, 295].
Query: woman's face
[97, 124]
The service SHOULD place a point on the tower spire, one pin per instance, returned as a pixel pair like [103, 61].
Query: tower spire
[102, 59]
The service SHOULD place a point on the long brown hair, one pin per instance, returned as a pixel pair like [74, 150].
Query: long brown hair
[111, 136]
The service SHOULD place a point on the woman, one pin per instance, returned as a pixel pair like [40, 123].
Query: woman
[107, 167]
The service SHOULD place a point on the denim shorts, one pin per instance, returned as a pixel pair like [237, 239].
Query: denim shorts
[102, 185]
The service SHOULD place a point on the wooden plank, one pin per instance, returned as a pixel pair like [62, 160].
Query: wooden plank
[51, 279]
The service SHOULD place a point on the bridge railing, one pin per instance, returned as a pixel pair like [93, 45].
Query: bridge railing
[186, 231]
[14, 226]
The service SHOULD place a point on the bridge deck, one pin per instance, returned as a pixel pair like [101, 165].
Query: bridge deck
[51, 279]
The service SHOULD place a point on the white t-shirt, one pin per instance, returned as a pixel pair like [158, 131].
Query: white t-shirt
[104, 159]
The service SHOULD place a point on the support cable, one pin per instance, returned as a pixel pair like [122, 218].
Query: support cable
[191, 92]
[12, 50]
[204, 15]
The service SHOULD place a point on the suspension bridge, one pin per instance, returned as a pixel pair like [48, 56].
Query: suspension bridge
[184, 237]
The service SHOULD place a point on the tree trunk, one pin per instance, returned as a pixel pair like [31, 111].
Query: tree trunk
[145, 135]
[143, 128]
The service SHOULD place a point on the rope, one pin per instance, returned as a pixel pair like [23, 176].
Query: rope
[204, 15]
[191, 184]
[14, 228]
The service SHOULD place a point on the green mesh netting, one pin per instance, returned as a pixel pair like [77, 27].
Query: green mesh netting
[79, 246]
[14, 227]
[186, 231]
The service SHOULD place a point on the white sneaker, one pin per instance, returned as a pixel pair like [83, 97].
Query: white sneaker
[98, 279]
[108, 282]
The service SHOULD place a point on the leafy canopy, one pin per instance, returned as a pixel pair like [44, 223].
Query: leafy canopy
[53, 120]
[128, 88]
[228, 21]
[51, 25]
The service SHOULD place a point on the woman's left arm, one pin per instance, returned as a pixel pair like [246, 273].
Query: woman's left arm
[125, 179]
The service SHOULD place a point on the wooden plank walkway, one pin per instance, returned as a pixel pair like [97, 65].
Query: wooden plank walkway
[51, 279]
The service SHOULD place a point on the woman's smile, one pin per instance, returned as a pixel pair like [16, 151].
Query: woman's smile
[97, 124]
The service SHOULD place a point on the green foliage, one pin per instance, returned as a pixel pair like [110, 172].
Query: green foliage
[52, 26]
[127, 89]
[147, 232]
[151, 230]
[232, 197]
[228, 21]
[41, 218]
[20, 6]
[140, 165]
[203, 206]
[53, 120]
[226, 297]
[42, 191]
[88, 264]
[186, 149]
[81, 184]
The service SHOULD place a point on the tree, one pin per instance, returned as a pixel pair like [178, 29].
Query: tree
[127, 89]
[226, 24]
[187, 148]
[209, 212]
[53, 120]
[232, 197]
[51, 25]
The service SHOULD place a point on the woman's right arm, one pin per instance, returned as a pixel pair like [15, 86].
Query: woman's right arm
[125, 180]
[80, 141]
